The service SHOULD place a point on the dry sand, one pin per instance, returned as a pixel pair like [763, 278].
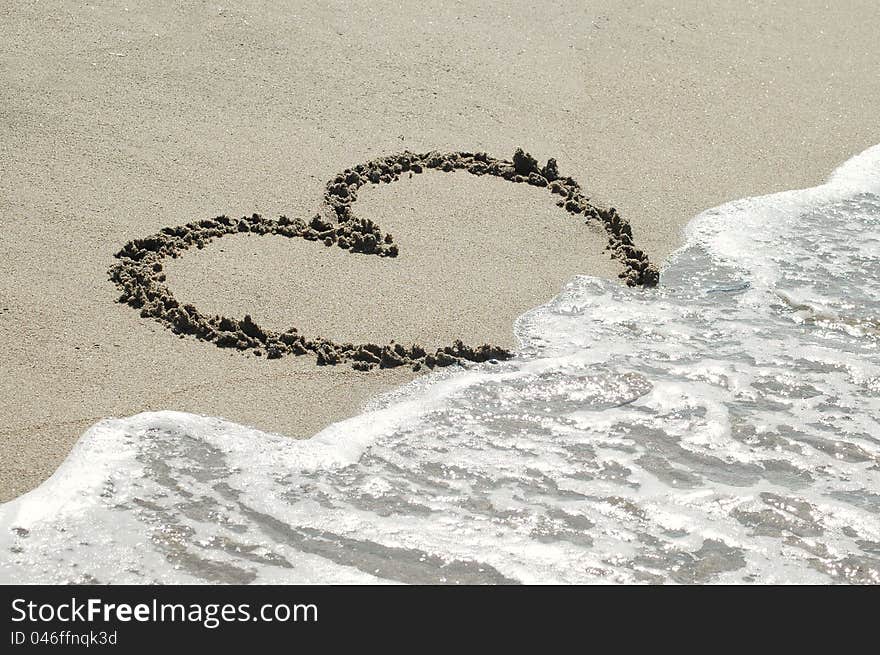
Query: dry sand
[116, 121]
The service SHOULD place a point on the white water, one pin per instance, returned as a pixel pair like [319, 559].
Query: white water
[720, 428]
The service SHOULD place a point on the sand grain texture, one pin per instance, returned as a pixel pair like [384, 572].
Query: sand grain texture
[116, 121]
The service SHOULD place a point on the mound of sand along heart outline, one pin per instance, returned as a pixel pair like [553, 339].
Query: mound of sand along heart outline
[139, 272]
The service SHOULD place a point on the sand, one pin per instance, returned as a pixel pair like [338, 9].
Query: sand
[116, 121]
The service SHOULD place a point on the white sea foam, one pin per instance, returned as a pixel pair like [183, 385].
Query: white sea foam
[720, 428]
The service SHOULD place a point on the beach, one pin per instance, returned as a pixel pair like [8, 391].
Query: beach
[119, 121]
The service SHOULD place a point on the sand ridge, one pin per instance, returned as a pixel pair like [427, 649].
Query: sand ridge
[139, 273]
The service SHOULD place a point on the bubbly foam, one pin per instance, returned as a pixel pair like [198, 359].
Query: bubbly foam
[719, 428]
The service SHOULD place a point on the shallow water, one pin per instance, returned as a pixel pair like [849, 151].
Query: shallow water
[720, 428]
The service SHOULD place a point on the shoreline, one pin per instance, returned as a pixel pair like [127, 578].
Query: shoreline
[660, 112]
[656, 406]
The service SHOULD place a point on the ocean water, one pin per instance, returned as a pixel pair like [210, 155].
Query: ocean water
[721, 428]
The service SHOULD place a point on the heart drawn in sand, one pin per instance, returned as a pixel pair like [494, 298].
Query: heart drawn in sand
[139, 271]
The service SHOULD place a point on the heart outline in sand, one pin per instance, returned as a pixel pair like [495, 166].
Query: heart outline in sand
[140, 277]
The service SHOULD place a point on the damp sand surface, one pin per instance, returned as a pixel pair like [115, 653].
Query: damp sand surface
[116, 123]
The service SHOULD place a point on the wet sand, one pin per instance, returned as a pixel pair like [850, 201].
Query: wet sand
[117, 123]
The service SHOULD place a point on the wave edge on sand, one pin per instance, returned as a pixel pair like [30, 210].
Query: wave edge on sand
[702, 431]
